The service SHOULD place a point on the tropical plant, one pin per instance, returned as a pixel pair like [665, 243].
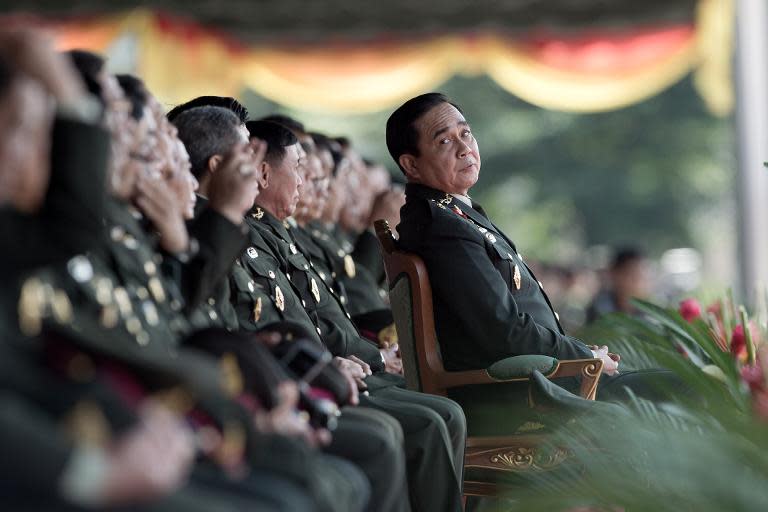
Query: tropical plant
[705, 450]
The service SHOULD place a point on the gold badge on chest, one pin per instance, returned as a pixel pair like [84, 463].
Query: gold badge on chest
[315, 290]
[349, 266]
[516, 277]
[279, 299]
[257, 310]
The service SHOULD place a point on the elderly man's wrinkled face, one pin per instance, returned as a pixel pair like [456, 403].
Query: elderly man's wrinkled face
[449, 159]
[25, 124]
[285, 183]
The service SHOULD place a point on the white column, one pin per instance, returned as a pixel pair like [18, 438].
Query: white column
[752, 142]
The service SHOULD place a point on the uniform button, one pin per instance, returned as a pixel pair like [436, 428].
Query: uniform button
[540, 285]
[318, 330]
[303, 303]
[333, 275]
[213, 314]
[306, 267]
[343, 300]
[348, 316]
[211, 301]
[288, 276]
[251, 286]
[557, 316]
[271, 274]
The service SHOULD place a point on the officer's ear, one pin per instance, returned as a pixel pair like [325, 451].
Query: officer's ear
[265, 174]
[408, 163]
[214, 162]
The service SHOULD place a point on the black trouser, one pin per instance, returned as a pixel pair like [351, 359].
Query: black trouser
[435, 435]
[373, 441]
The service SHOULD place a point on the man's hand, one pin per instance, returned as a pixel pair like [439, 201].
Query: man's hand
[610, 360]
[150, 461]
[354, 373]
[158, 202]
[285, 419]
[33, 53]
[235, 183]
[392, 361]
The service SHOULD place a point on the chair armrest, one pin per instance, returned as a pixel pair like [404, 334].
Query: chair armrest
[588, 369]
[519, 368]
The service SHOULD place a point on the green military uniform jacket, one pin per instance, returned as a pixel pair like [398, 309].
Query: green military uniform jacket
[320, 299]
[488, 305]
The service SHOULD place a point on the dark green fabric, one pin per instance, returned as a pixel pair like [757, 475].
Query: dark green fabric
[482, 313]
[517, 367]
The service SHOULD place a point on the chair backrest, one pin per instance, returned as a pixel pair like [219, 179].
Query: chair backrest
[410, 296]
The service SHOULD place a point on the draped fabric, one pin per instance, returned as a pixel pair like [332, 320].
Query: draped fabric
[589, 71]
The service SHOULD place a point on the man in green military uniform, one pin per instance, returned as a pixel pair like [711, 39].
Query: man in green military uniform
[488, 304]
[263, 295]
[433, 426]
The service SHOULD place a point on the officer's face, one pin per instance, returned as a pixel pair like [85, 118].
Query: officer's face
[25, 118]
[284, 183]
[449, 159]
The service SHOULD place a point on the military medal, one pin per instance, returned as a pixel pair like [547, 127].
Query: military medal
[150, 268]
[279, 299]
[257, 310]
[349, 266]
[123, 301]
[80, 269]
[109, 316]
[315, 290]
[62, 307]
[156, 287]
[516, 277]
[150, 312]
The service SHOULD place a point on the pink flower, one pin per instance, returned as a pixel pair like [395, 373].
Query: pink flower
[690, 309]
[753, 375]
[739, 343]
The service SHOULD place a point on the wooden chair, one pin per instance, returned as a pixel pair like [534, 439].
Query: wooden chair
[411, 302]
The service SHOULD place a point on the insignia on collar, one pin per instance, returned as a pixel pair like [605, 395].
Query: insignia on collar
[315, 290]
[258, 214]
[516, 277]
[446, 200]
[279, 299]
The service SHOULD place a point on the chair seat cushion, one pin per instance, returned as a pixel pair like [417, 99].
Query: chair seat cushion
[517, 367]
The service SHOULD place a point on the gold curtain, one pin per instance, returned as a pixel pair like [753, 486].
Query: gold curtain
[179, 60]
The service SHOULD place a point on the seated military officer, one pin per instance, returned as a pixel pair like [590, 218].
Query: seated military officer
[433, 426]
[488, 305]
[370, 439]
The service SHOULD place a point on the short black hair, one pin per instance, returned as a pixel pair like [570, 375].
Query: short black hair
[292, 124]
[623, 256]
[277, 137]
[136, 92]
[226, 102]
[89, 65]
[205, 132]
[402, 137]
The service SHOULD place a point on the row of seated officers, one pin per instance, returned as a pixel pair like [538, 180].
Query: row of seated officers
[192, 314]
